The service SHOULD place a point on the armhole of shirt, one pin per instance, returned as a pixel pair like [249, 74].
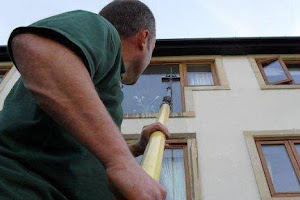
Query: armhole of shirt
[57, 36]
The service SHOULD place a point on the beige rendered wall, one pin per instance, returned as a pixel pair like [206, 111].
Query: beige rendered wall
[221, 117]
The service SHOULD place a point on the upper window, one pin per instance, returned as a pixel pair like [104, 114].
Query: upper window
[146, 95]
[281, 164]
[201, 75]
[276, 71]
[294, 69]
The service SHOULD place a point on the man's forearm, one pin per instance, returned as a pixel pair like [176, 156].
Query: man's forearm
[62, 87]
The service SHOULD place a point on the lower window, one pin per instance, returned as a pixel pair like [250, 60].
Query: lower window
[179, 173]
[174, 174]
[281, 164]
[174, 171]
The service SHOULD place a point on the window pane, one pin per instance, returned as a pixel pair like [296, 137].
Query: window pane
[147, 94]
[281, 169]
[172, 175]
[199, 75]
[294, 70]
[274, 72]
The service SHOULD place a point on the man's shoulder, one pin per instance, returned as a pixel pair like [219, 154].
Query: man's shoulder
[75, 16]
[82, 16]
[82, 20]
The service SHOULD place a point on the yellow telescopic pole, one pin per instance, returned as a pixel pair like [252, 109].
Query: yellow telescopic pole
[153, 154]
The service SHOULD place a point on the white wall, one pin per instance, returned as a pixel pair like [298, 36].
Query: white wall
[221, 117]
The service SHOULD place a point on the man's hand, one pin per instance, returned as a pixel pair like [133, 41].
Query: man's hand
[139, 147]
[129, 181]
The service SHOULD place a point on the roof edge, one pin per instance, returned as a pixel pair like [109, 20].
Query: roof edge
[216, 46]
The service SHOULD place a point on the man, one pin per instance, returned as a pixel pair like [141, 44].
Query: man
[60, 136]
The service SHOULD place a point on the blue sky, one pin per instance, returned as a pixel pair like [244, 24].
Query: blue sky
[176, 18]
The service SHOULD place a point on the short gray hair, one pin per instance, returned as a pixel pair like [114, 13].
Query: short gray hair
[129, 17]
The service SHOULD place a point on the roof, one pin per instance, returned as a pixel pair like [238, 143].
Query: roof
[217, 46]
[228, 46]
[4, 54]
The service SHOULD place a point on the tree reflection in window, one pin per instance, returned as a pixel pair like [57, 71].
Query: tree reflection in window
[147, 94]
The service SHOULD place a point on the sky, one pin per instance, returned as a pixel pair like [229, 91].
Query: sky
[175, 18]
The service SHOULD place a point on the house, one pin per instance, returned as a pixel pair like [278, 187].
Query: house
[235, 115]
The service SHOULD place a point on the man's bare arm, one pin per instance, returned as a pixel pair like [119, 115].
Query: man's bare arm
[61, 85]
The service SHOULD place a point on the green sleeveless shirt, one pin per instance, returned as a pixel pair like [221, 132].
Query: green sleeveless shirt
[38, 158]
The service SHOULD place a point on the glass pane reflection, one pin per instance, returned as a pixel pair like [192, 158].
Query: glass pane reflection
[280, 168]
[147, 94]
[274, 72]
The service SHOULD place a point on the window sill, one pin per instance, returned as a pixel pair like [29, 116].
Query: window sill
[278, 87]
[189, 114]
[207, 88]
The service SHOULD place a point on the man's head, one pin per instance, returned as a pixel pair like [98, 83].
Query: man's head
[136, 25]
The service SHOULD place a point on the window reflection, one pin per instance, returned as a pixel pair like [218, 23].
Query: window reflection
[280, 168]
[274, 72]
[294, 70]
[147, 94]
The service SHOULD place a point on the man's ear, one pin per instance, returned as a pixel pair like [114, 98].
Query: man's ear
[143, 39]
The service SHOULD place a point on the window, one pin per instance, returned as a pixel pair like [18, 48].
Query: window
[174, 171]
[294, 70]
[201, 75]
[145, 97]
[277, 71]
[147, 94]
[280, 161]
[179, 173]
